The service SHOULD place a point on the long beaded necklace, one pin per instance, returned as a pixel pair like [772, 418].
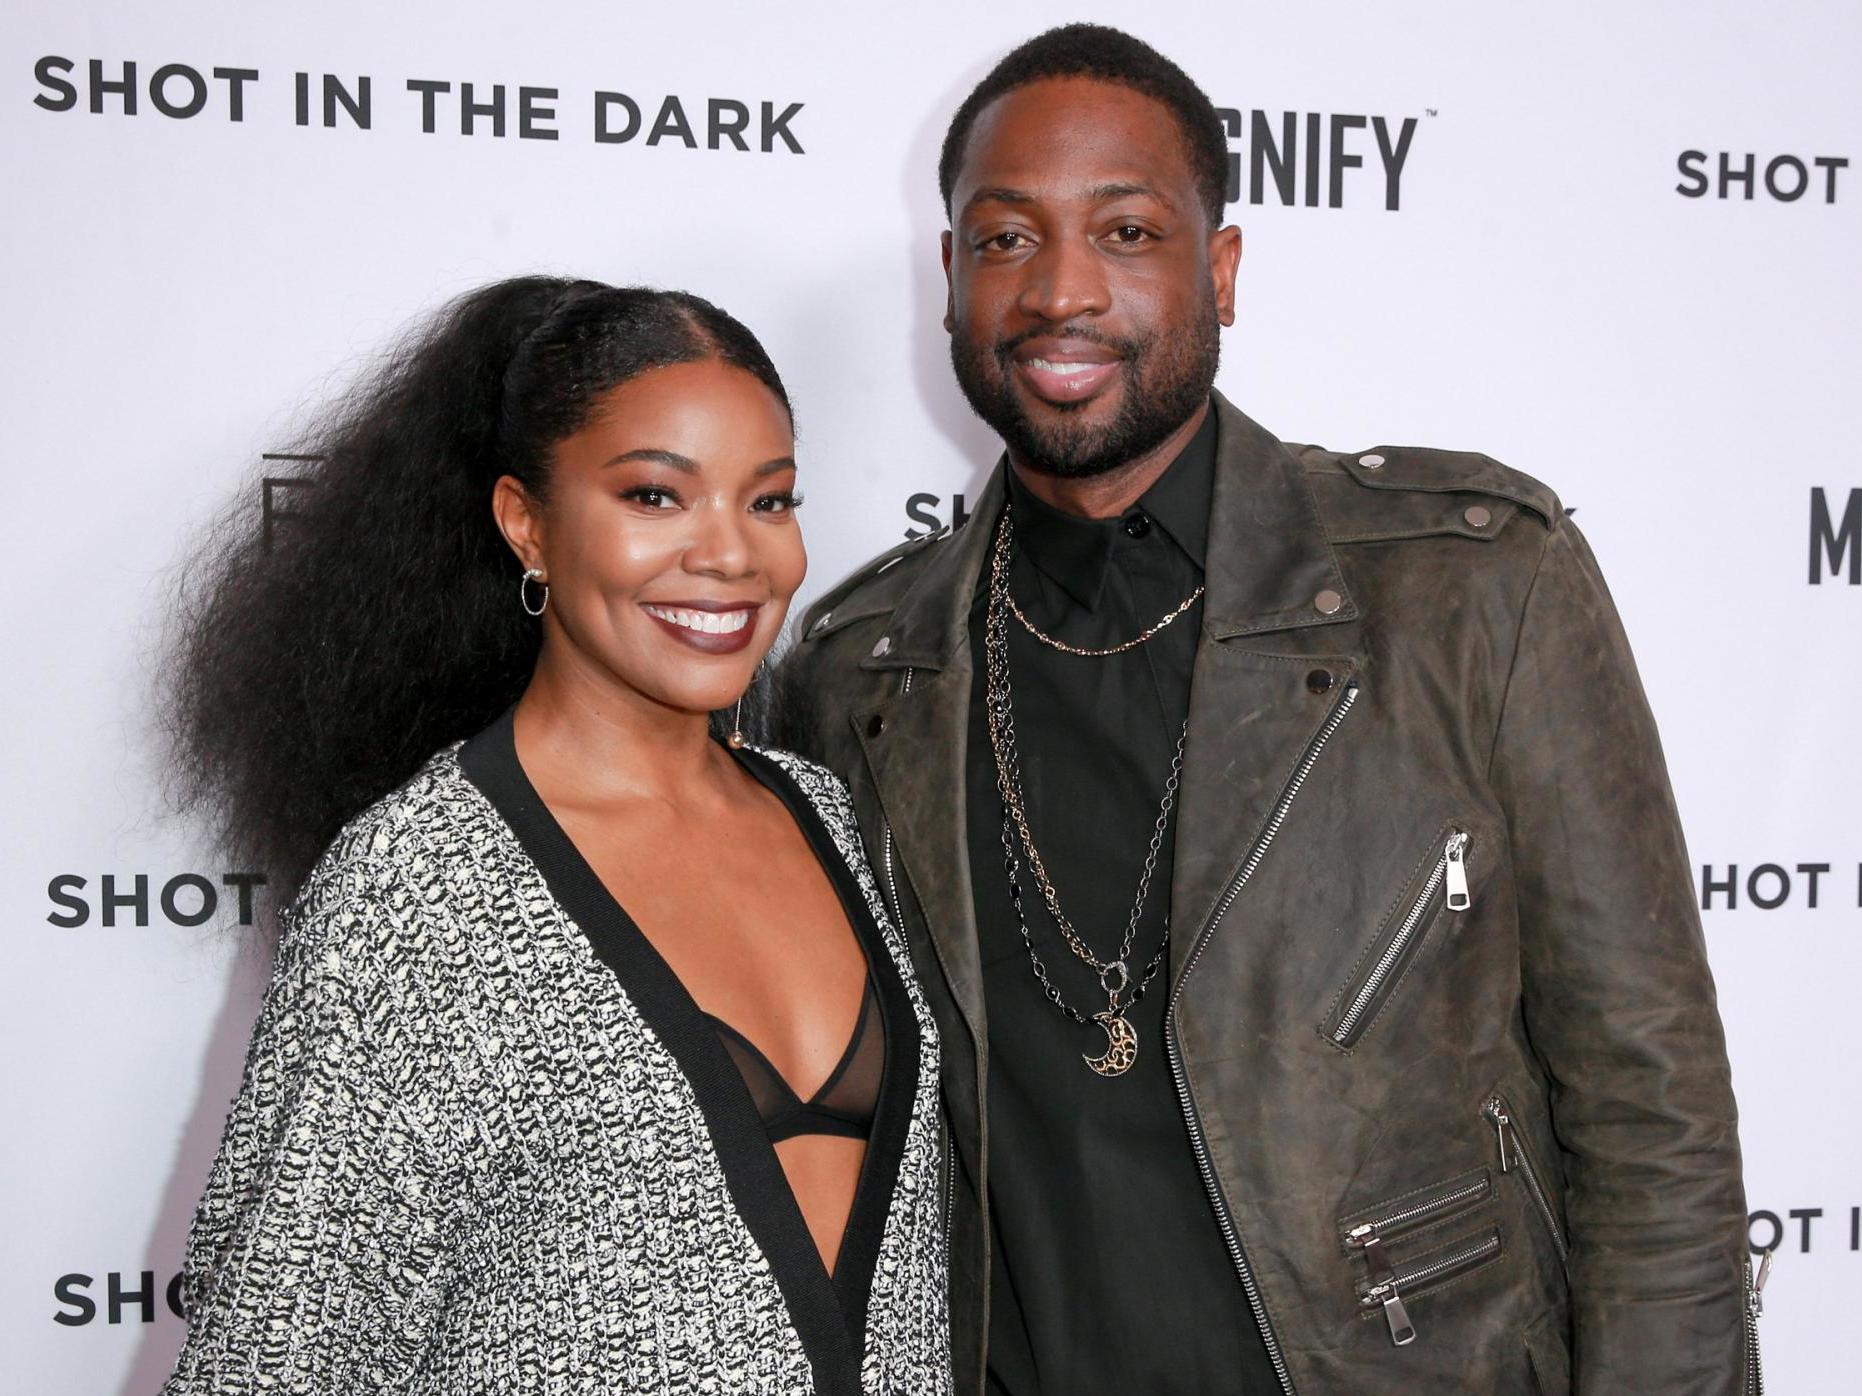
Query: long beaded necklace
[1018, 842]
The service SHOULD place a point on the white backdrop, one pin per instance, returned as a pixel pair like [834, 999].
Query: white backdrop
[1683, 369]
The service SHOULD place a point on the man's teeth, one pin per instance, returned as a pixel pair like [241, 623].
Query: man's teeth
[1066, 370]
[707, 622]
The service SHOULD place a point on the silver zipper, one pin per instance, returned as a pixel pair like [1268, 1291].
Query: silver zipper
[892, 885]
[1368, 1239]
[1755, 1307]
[1173, 1049]
[1387, 1293]
[1455, 868]
[1450, 867]
[1517, 1159]
[1368, 1233]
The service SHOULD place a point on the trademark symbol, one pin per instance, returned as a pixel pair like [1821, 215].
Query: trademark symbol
[1428, 111]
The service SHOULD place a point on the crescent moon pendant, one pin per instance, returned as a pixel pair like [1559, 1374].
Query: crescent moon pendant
[1121, 1045]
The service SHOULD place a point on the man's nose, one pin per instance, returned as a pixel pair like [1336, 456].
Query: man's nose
[1066, 278]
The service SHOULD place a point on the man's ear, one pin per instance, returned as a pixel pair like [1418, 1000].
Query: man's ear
[520, 519]
[950, 300]
[1224, 259]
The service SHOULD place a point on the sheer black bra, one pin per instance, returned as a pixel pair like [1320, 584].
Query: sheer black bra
[846, 1102]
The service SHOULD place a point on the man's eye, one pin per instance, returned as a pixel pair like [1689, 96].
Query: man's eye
[1004, 242]
[778, 502]
[652, 496]
[1130, 234]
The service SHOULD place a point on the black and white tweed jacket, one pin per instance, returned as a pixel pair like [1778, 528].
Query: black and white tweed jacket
[485, 1144]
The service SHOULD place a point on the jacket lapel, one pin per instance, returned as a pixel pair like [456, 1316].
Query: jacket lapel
[915, 743]
[1253, 711]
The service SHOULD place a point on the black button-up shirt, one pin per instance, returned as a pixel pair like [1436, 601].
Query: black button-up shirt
[1109, 1269]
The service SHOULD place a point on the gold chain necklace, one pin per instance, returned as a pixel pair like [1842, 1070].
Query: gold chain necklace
[1002, 546]
[1114, 976]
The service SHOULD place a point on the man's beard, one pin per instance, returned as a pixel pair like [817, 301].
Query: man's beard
[1166, 380]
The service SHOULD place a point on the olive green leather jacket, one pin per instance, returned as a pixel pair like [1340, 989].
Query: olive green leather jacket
[1440, 1019]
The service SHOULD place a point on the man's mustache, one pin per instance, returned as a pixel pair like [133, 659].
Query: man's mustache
[1083, 333]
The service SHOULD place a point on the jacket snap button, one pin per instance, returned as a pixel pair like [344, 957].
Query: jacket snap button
[1327, 602]
[1319, 681]
[1371, 462]
[881, 648]
[821, 621]
[1477, 515]
[875, 725]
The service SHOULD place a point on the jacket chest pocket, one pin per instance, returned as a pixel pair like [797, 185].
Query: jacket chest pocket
[1440, 886]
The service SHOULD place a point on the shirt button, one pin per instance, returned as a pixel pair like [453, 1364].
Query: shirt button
[1137, 525]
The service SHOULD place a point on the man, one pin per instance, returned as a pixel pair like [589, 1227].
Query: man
[1283, 838]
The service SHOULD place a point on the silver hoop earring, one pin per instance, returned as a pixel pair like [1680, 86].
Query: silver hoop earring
[533, 574]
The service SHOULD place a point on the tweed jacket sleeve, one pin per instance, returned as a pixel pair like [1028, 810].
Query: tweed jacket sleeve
[319, 1237]
[1619, 1002]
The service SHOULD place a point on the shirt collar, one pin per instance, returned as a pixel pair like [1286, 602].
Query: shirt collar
[1076, 553]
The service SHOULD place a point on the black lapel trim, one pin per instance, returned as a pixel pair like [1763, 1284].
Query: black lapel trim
[758, 1188]
[885, 1149]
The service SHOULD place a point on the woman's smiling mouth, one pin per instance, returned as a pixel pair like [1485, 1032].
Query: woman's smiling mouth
[707, 626]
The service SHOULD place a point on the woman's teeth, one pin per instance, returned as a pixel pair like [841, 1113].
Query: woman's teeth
[706, 622]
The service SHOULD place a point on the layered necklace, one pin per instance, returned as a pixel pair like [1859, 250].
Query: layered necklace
[1115, 978]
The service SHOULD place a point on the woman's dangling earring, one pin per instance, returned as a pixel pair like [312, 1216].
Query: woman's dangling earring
[736, 739]
[533, 574]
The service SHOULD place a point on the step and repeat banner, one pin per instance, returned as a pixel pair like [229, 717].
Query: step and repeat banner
[1615, 246]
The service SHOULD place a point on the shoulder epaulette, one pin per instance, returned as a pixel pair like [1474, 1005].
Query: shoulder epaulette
[1411, 492]
[871, 589]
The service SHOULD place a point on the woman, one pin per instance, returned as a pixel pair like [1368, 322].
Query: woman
[590, 1062]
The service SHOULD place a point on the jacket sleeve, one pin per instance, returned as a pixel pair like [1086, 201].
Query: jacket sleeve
[1619, 1002]
[317, 1253]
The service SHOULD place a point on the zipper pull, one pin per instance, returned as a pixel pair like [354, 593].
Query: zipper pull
[1402, 1331]
[1502, 1122]
[1455, 859]
[1756, 1300]
[1376, 1260]
[1383, 1282]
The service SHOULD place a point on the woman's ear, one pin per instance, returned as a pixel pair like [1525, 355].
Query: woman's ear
[520, 520]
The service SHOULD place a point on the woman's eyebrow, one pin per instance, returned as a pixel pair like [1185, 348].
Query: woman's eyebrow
[657, 456]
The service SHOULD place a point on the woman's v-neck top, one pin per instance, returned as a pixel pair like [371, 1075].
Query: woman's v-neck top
[487, 1142]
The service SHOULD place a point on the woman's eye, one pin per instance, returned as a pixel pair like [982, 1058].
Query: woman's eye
[652, 496]
[779, 502]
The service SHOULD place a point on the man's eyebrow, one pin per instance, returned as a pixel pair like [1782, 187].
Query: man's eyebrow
[1105, 193]
[997, 195]
[657, 456]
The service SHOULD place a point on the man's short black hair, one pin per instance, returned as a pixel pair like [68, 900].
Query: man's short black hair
[1109, 55]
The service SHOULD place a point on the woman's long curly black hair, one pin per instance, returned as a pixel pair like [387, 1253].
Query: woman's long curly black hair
[313, 671]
